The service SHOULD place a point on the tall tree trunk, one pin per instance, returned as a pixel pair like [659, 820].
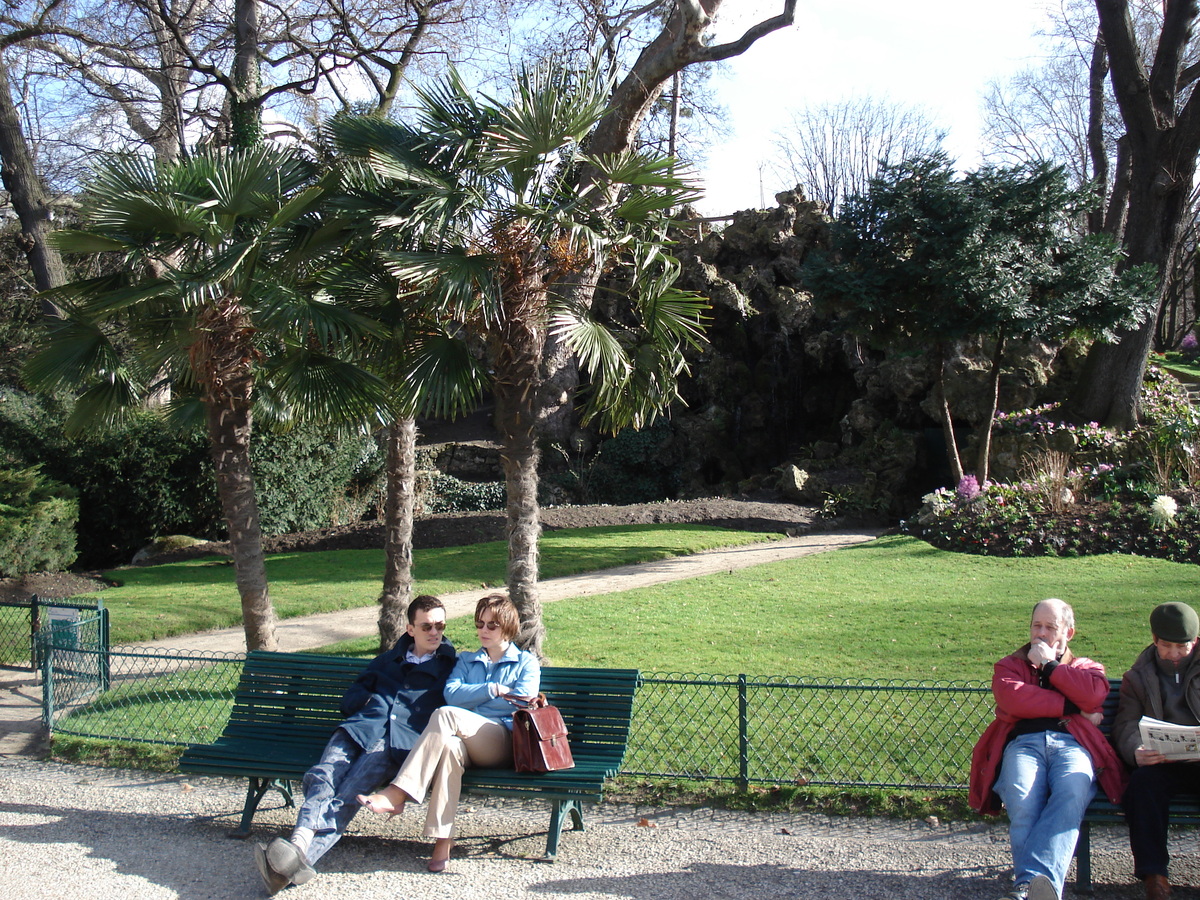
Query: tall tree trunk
[29, 197]
[1161, 113]
[984, 461]
[516, 385]
[245, 111]
[683, 41]
[398, 525]
[222, 357]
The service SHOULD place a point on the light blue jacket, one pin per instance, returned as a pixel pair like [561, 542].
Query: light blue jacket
[467, 685]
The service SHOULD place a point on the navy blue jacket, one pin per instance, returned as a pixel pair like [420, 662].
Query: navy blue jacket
[394, 699]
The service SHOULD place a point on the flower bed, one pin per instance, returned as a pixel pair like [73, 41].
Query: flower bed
[1082, 489]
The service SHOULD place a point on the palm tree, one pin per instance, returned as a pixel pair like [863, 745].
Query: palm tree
[498, 220]
[428, 370]
[204, 299]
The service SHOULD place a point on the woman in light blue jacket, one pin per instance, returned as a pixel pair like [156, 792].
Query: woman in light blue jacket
[474, 728]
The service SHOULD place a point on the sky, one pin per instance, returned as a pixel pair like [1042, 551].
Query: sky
[936, 54]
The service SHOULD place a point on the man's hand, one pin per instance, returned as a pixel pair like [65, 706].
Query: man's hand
[1146, 757]
[1094, 717]
[1041, 653]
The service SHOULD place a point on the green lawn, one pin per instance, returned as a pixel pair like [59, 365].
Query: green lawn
[892, 608]
[1182, 368]
[199, 595]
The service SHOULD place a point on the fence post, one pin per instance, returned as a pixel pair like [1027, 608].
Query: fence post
[104, 660]
[743, 735]
[47, 652]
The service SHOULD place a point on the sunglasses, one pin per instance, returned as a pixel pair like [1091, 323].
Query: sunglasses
[432, 626]
[488, 626]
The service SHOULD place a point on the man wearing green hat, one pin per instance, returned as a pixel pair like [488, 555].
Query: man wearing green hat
[1164, 683]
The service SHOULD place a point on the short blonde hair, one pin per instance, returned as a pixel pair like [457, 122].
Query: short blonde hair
[503, 610]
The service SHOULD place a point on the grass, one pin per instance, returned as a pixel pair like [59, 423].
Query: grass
[1182, 367]
[892, 608]
[154, 602]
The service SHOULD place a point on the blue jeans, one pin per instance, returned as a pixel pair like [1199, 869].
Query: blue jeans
[1046, 782]
[344, 771]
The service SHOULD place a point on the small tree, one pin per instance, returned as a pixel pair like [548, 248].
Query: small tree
[926, 259]
[211, 247]
[491, 200]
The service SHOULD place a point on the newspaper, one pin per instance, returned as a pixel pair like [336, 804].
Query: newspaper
[1171, 740]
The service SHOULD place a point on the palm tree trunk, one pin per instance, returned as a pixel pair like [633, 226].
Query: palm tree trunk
[517, 381]
[222, 356]
[398, 526]
[229, 429]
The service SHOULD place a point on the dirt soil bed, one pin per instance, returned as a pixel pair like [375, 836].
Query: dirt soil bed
[457, 529]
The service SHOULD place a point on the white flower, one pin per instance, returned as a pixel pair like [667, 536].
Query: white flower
[1162, 511]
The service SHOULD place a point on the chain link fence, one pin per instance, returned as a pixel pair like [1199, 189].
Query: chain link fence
[174, 697]
[787, 730]
[737, 728]
[21, 621]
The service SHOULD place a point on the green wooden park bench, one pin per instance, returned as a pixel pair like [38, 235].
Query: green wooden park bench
[1185, 809]
[287, 705]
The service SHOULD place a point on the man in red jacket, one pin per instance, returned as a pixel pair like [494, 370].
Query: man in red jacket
[1043, 754]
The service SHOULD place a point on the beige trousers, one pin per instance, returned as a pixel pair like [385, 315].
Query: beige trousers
[453, 739]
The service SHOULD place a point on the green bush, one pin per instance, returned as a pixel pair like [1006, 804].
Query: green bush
[310, 479]
[439, 493]
[139, 480]
[633, 466]
[135, 481]
[37, 523]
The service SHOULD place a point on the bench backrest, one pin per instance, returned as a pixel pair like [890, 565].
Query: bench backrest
[1110, 705]
[295, 698]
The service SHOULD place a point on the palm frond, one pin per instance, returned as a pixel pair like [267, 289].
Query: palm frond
[77, 352]
[443, 379]
[103, 404]
[322, 388]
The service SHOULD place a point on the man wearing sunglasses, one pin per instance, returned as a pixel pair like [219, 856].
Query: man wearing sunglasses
[385, 711]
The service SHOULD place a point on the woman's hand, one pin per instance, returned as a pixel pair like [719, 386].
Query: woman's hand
[1094, 717]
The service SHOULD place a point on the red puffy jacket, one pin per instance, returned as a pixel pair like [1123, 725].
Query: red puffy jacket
[1019, 695]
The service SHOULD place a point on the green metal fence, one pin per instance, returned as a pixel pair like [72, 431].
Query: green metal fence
[737, 728]
[21, 621]
[788, 730]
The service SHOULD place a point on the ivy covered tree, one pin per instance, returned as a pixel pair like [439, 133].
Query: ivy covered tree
[925, 259]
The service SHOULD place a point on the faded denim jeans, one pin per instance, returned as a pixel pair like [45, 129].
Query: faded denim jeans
[1046, 782]
[344, 771]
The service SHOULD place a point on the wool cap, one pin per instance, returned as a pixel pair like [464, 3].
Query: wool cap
[1175, 622]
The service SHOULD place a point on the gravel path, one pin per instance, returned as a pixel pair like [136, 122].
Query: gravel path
[91, 834]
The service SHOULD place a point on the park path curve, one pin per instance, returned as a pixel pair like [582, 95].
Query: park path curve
[306, 632]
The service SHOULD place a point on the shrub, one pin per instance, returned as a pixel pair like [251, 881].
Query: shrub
[37, 523]
[633, 466]
[309, 479]
[439, 493]
[135, 481]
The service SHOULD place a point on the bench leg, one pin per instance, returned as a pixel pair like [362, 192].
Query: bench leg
[1083, 860]
[255, 791]
[559, 812]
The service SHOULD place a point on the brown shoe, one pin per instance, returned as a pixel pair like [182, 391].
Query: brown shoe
[1157, 887]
